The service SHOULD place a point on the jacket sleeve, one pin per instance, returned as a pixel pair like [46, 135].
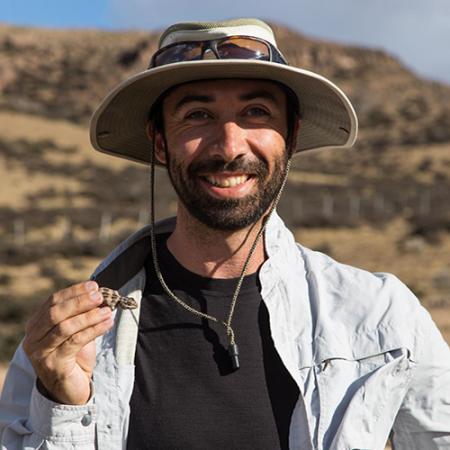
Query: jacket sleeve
[28, 420]
[423, 421]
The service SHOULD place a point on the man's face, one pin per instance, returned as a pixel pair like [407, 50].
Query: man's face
[225, 152]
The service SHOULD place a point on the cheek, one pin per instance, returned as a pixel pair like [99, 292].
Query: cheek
[184, 154]
[270, 145]
[184, 149]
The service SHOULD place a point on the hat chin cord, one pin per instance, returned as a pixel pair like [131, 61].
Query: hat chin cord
[233, 349]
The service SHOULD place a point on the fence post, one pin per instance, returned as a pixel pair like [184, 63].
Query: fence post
[67, 232]
[105, 227]
[355, 206]
[327, 205]
[19, 231]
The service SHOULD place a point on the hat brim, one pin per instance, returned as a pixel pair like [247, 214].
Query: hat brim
[118, 125]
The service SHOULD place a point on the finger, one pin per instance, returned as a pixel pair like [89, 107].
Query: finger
[65, 329]
[74, 291]
[77, 341]
[61, 311]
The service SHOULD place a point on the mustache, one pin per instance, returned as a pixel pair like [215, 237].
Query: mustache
[257, 168]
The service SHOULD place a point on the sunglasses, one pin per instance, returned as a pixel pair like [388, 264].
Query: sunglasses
[230, 47]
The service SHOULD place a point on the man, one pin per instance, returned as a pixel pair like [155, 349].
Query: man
[242, 338]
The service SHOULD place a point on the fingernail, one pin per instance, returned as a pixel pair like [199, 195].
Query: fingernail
[95, 295]
[91, 286]
[105, 310]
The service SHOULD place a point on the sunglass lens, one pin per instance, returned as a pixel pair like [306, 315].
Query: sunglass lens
[242, 48]
[178, 53]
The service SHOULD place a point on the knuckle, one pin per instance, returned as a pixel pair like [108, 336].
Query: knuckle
[62, 330]
[53, 315]
[81, 300]
[76, 339]
[94, 315]
[47, 364]
[53, 299]
[71, 291]
[78, 289]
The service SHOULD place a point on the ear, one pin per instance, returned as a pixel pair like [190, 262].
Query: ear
[158, 140]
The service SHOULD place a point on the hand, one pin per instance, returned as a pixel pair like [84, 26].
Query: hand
[60, 341]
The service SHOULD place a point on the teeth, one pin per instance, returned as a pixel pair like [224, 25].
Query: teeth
[226, 181]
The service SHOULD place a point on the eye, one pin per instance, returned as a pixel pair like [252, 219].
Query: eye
[257, 111]
[198, 115]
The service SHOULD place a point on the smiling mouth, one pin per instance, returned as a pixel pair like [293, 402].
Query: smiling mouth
[226, 181]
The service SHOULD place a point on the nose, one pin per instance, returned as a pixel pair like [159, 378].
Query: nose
[230, 143]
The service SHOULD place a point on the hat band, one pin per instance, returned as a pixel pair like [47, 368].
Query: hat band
[230, 47]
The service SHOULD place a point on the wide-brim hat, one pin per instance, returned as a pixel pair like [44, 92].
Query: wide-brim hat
[118, 126]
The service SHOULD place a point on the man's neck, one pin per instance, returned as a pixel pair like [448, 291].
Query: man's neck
[214, 253]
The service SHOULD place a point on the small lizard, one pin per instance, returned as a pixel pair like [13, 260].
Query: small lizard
[113, 299]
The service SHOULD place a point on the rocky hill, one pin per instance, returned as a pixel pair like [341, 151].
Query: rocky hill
[63, 74]
[382, 205]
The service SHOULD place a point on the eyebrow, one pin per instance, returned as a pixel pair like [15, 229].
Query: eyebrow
[210, 99]
[193, 98]
[259, 94]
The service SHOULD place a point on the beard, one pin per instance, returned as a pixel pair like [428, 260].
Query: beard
[229, 214]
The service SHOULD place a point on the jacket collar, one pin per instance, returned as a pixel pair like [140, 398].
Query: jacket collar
[128, 258]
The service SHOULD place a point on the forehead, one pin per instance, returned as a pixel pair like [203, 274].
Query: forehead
[227, 89]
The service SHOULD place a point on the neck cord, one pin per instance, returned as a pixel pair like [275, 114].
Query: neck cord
[233, 350]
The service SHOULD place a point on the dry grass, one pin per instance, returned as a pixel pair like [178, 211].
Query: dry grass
[16, 182]
[15, 126]
[416, 262]
[389, 248]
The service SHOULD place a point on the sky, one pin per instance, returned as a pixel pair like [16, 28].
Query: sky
[415, 31]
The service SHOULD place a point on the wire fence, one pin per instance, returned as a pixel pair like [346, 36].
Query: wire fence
[326, 209]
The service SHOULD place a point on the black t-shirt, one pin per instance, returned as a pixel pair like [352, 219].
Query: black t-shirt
[186, 394]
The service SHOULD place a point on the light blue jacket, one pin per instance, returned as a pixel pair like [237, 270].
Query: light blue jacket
[366, 356]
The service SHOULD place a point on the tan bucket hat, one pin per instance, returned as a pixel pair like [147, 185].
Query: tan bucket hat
[118, 125]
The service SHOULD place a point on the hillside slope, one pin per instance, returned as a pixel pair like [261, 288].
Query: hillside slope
[382, 205]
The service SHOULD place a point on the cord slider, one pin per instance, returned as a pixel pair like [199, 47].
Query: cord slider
[233, 351]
